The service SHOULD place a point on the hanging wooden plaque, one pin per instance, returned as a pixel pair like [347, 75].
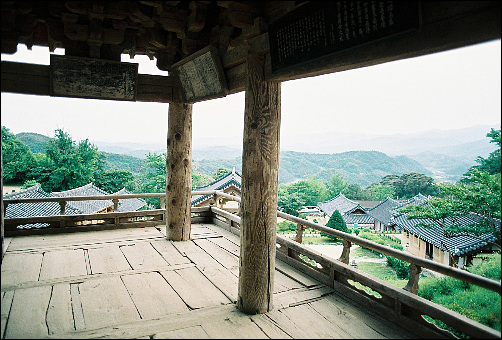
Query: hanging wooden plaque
[321, 28]
[93, 78]
[201, 76]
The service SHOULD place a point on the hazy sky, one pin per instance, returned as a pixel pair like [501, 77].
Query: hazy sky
[448, 90]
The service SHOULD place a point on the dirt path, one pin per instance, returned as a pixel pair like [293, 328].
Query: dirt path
[335, 251]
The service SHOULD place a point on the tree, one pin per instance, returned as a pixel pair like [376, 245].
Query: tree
[337, 184]
[409, 185]
[222, 171]
[17, 159]
[200, 179]
[480, 196]
[290, 203]
[354, 191]
[310, 190]
[71, 164]
[336, 222]
[379, 192]
[491, 165]
[114, 180]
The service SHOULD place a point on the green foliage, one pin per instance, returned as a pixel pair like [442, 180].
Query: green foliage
[286, 227]
[70, 164]
[410, 184]
[481, 196]
[311, 190]
[199, 179]
[113, 161]
[336, 222]
[29, 183]
[337, 184]
[154, 180]
[289, 203]
[379, 192]
[114, 180]
[17, 159]
[222, 171]
[35, 141]
[361, 167]
[490, 165]
[401, 267]
[489, 267]
[469, 300]
[354, 191]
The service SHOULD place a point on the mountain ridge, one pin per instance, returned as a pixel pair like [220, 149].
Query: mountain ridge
[443, 155]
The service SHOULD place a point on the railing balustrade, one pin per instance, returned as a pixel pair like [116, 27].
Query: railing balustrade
[336, 273]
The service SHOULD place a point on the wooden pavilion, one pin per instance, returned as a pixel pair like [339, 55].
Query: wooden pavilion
[215, 48]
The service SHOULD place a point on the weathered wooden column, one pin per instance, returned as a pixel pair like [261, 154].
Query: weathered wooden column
[260, 168]
[179, 171]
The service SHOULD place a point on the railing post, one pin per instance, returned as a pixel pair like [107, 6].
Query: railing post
[412, 285]
[345, 252]
[162, 202]
[62, 204]
[300, 228]
[115, 204]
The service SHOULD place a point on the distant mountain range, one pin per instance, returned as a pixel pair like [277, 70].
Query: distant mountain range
[443, 155]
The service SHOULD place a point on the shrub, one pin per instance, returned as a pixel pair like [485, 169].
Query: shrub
[401, 267]
[286, 227]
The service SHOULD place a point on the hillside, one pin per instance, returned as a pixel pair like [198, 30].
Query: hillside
[361, 167]
[35, 141]
[115, 161]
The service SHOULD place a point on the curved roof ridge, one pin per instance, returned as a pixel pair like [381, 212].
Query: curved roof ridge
[232, 174]
[35, 187]
[89, 185]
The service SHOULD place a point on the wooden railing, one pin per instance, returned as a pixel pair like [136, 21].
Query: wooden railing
[404, 304]
[87, 222]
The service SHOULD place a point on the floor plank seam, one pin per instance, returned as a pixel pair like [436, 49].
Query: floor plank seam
[47, 311]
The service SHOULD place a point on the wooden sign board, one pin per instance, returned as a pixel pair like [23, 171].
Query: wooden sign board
[321, 28]
[92, 78]
[201, 76]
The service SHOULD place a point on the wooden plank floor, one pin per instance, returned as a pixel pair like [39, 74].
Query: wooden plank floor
[133, 283]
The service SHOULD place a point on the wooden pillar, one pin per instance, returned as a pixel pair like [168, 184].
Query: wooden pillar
[179, 171]
[260, 168]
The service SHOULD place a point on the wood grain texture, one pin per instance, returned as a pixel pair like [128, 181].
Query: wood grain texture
[60, 313]
[260, 167]
[152, 295]
[108, 259]
[194, 288]
[143, 255]
[20, 268]
[21, 311]
[179, 171]
[63, 263]
[106, 302]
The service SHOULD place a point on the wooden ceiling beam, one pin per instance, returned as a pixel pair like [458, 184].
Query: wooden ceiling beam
[35, 79]
[445, 25]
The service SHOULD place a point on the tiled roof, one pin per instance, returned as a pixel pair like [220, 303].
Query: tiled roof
[382, 211]
[129, 204]
[87, 207]
[352, 212]
[339, 202]
[358, 218]
[232, 178]
[35, 209]
[456, 245]
[367, 205]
